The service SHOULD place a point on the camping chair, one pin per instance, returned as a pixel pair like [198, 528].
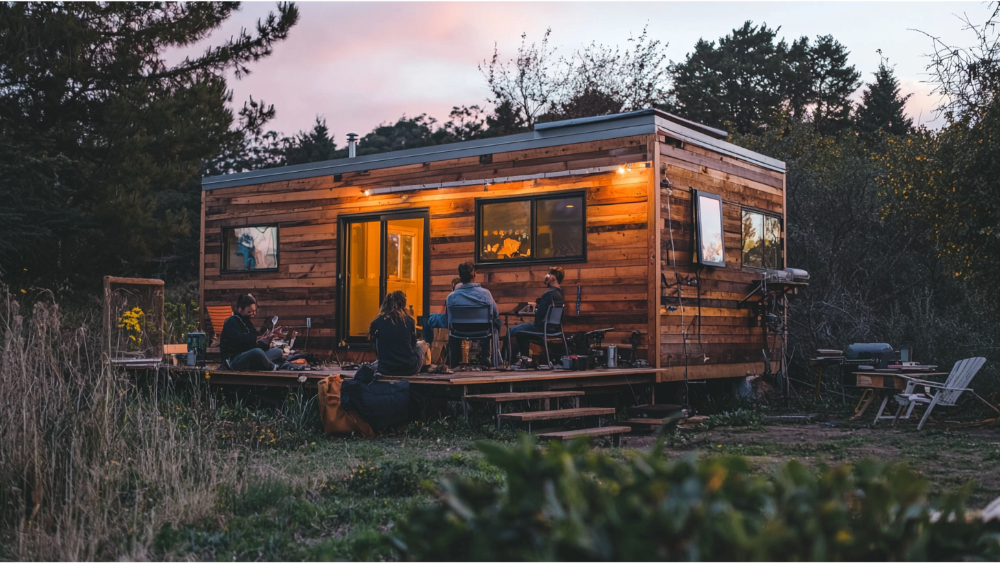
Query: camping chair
[216, 318]
[948, 392]
[553, 317]
[478, 325]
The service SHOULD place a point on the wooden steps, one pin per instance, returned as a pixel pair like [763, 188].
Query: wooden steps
[614, 431]
[536, 416]
[528, 396]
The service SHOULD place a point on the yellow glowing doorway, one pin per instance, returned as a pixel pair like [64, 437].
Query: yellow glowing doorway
[382, 254]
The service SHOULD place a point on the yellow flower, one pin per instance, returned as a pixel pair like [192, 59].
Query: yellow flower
[23, 291]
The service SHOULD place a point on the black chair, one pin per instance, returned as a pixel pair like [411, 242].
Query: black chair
[552, 317]
[476, 323]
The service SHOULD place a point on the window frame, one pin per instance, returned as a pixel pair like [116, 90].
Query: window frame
[225, 250]
[533, 226]
[781, 241]
[697, 255]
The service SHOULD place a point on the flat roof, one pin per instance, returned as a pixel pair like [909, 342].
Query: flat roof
[556, 133]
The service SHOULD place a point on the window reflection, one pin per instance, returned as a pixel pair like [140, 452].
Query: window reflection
[506, 230]
[761, 240]
[560, 227]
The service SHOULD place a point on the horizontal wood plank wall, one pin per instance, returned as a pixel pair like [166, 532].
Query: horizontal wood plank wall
[725, 345]
[614, 279]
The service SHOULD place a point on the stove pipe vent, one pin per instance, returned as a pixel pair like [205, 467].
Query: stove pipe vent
[352, 145]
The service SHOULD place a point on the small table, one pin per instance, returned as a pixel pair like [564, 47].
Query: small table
[885, 382]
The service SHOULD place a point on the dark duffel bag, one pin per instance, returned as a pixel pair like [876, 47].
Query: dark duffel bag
[380, 403]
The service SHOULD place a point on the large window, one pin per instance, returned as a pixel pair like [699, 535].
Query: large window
[549, 228]
[761, 240]
[250, 249]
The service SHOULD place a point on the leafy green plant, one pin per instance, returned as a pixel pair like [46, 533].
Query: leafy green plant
[569, 502]
[740, 417]
[179, 319]
[396, 478]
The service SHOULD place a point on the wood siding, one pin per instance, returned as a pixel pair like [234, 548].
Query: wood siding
[614, 278]
[716, 333]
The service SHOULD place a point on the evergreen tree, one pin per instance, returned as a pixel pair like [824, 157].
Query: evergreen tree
[313, 146]
[750, 80]
[881, 107]
[112, 135]
[737, 84]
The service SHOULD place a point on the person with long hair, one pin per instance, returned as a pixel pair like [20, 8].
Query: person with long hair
[394, 335]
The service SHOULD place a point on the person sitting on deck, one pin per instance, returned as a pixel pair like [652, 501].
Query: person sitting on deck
[553, 296]
[438, 320]
[394, 335]
[468, 294]
[243, 346]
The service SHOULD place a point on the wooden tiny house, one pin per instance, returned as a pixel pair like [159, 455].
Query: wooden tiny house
[610, 199]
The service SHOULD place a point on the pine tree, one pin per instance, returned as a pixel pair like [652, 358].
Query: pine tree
[312, 146]
[90, 83]
[881, 107]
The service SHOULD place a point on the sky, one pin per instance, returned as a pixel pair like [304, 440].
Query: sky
[361, 64]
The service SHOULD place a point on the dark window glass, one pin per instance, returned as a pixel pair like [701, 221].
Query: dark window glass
[559, 228]
[761, 240]
[542, 228]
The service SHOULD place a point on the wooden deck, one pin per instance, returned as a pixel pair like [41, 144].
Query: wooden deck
[543, 379]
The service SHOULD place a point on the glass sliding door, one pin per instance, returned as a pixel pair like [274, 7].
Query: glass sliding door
[382, 254]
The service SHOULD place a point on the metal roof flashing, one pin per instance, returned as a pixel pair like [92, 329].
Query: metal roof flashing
[642, 122]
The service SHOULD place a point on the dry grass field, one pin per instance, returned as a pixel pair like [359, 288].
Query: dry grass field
[97, 465]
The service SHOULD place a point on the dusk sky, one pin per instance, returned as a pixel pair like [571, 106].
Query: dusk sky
[359, 64]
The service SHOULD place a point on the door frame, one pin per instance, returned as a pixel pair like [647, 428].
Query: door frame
[343, 222]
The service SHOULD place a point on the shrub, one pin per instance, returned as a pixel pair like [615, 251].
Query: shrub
[568, 502]
[392, 479]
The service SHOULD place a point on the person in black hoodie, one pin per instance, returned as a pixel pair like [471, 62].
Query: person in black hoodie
[243, 346]
[553, 296]
[395, 336]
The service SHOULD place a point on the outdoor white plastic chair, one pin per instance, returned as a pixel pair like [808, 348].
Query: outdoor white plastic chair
[947, 393]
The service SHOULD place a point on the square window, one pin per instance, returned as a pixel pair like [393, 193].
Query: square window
[761, 240]
[250, 249]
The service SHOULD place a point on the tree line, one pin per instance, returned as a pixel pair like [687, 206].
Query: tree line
[104, 143]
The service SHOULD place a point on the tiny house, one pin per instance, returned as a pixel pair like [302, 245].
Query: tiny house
[661, 225]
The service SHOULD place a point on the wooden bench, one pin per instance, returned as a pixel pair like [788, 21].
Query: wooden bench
[614, 431]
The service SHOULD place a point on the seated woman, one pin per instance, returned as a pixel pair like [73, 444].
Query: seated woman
[394, 335]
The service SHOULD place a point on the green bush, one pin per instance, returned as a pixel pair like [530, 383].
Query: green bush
[571, 503]
[392, 479]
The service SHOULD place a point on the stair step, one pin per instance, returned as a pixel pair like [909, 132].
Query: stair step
[570, 434]
[527, 396]
[557, 414]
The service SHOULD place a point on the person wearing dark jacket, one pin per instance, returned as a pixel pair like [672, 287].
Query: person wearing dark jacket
[553, 296]
[243, 346]
[395, 337]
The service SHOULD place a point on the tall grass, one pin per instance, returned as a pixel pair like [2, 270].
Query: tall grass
[90, 465]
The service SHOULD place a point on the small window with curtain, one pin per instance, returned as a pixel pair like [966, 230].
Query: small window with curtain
[762, 240]
[541, 228]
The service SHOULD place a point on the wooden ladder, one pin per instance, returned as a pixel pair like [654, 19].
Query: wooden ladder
[500, 398]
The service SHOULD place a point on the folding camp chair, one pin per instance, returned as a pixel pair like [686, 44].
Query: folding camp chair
[552, 317]
[216, 318]
[947, 394]
[477, 324]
